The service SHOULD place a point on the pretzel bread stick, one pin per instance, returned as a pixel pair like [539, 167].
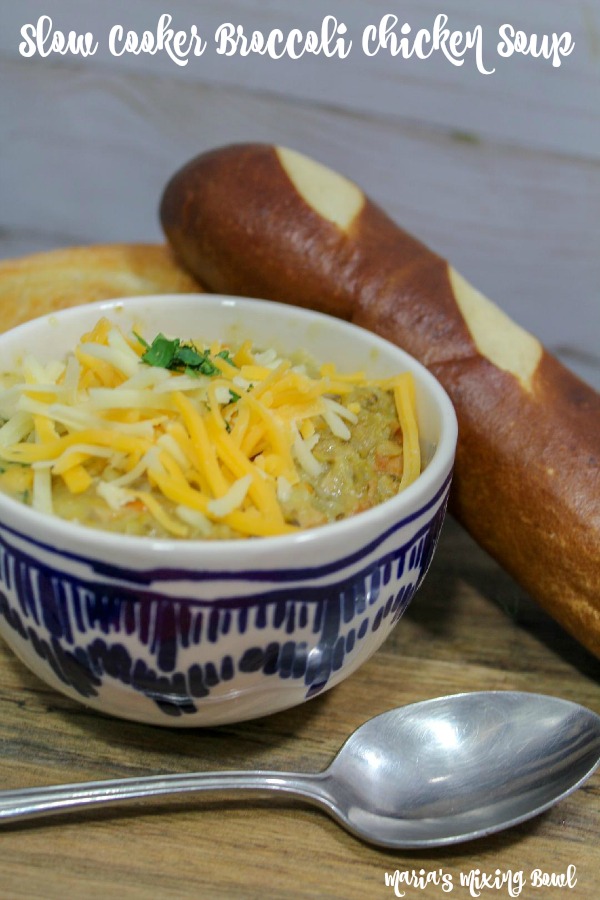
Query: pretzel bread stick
[264, 221]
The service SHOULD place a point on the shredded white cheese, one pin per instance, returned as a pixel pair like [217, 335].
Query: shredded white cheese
[232, 499]
[223, 436]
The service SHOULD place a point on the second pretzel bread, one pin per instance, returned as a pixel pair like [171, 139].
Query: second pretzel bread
[264, 221]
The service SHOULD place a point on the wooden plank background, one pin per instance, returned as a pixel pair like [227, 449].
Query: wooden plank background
[500, 173]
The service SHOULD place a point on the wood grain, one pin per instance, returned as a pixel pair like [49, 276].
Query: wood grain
[469, 628]
[522, 226]
[520, 103]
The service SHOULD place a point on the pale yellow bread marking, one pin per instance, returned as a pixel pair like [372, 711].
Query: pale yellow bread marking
[327, 192]
[504, 343]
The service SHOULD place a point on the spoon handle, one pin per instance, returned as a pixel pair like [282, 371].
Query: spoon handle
[30, 803]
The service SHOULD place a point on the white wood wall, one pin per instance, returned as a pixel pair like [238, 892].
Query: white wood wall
[500, 173]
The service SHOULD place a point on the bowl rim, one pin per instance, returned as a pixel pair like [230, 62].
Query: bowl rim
[97, 541]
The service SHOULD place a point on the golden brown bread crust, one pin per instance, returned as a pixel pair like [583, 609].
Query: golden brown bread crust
[41, 283]
[527, 476]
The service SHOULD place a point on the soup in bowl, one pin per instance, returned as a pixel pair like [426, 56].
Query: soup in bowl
[211, 508]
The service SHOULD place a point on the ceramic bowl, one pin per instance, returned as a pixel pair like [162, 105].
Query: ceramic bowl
[194, 633]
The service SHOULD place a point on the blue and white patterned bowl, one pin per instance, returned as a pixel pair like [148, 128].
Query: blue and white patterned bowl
[193, 633]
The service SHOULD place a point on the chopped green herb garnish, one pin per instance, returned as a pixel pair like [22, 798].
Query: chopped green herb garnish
[206, 367]
[142, 341]
[162, 352]
[188, 357]
[234, 397]
[226, 355]
[172, 354]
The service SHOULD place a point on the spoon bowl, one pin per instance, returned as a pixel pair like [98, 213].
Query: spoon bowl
[459, 767]
[438, 772]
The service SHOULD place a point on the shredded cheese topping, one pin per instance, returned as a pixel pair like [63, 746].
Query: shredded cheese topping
[192, 448]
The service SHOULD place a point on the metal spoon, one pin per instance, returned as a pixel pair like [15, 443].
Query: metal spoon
[433, 773]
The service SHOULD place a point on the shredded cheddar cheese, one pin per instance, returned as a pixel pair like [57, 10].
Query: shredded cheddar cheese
[204, 442]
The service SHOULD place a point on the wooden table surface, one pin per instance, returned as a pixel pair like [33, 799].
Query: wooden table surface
[469, 628]
[497, 173]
